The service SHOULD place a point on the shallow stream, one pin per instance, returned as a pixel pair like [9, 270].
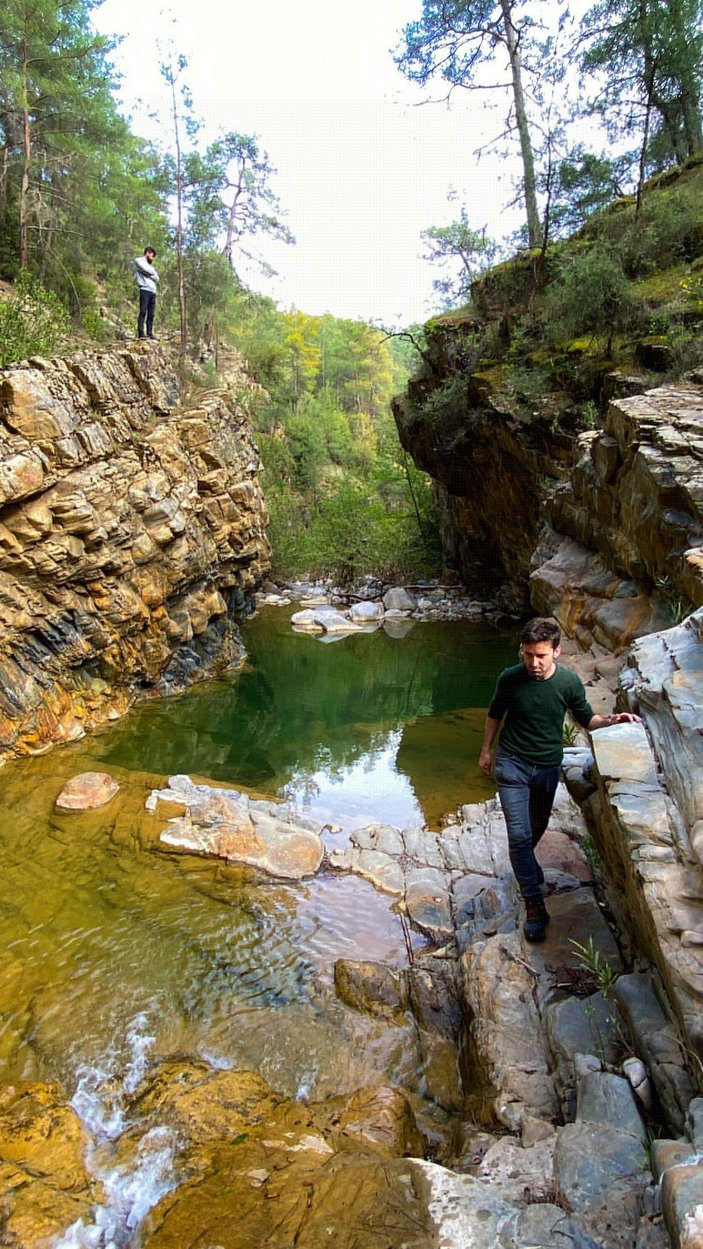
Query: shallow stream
[116, 953]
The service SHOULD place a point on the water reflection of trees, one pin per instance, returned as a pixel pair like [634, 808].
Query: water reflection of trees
[299, 706]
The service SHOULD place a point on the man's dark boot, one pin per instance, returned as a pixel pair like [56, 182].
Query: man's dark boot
[536, 919]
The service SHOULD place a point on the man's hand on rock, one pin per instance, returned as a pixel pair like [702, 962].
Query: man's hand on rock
[618, 717]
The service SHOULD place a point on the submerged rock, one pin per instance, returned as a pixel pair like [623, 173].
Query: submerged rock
[371, 987]
[87, 791]
[44, 1185]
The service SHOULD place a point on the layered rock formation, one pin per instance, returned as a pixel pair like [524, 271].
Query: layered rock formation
[132, 532]
[489, 458]
[623, 556]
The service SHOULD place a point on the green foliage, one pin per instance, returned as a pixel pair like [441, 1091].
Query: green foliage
[448, 403]
[592, 856]
[343, 500]
[679, 607]
[592, 294]
[584, 184]
[462, 250]
[74, 181]
[667, 231]
[590, 416]
[32, 322]
[591, 961]
[349, 531]
[648, 56]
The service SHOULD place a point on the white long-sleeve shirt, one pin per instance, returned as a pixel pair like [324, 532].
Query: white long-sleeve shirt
[147, 277]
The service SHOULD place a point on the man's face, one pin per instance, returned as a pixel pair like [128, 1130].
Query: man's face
[151, 256]
[540, 659]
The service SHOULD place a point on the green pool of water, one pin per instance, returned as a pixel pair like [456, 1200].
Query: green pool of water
[363, 727]
[114, 949]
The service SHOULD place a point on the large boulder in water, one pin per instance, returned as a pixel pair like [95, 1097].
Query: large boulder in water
[87, 792]
[398, 599]
[225, 824]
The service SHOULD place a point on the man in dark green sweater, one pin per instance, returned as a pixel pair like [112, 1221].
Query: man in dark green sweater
[531, 700]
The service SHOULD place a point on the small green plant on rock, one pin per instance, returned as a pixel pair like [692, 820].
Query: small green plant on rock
[679, 607]
[590, 416]
[448, 403]
[601, 970]
[589, 848]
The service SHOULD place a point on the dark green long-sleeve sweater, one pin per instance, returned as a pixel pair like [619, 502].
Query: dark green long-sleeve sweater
[534, 712]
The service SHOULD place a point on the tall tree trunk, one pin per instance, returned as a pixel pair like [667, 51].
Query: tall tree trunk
[643, 157]
[534, 229]
[692, 124]
[690, 105]
[232, 217]
[183, 338]
[26, 161]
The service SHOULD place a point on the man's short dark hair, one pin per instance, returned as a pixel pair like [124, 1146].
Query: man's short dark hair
[150, 249]
[541, 629]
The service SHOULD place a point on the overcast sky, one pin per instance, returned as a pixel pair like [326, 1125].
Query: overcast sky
[362, 167]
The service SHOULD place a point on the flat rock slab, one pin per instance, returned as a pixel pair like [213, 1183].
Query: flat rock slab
[227, 825]
[623, 752]
[427, 902]
[559, 852]
[87, 792]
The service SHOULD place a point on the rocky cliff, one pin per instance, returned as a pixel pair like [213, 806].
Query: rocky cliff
[621, 555]
[132, 533]
[491, 458]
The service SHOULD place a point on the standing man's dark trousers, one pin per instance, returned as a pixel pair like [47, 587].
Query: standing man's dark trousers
[147, 308]
[526, 794]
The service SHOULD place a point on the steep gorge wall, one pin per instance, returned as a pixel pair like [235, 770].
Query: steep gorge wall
[132, 533]
[490, 459]
[622, 554]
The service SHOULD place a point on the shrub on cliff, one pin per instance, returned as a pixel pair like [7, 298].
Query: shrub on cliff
[33, 322]
[591, 294]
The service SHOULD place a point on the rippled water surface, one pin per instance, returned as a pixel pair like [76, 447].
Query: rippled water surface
[115, 950]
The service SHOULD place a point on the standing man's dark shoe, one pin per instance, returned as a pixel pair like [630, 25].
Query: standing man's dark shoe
[536, 919]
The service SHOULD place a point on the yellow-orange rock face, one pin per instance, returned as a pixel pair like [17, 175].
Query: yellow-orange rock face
[131, 525]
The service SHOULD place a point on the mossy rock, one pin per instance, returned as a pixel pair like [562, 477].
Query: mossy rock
[655, 353]
[464, 318]
[486, 382]
[509, 287]
[661, 288]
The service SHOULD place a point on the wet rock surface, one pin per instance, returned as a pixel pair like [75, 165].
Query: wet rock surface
[501, 1072]
[229, 825]
[87, 791]
[45, 1185]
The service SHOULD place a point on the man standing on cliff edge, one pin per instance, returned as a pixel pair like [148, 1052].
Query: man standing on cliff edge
[531, 699]
[147, 281]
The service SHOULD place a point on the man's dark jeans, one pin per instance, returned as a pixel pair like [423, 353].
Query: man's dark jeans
[526, 794]
[147, 308]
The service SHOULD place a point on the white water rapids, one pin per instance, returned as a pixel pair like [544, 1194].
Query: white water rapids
[133, 1186]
